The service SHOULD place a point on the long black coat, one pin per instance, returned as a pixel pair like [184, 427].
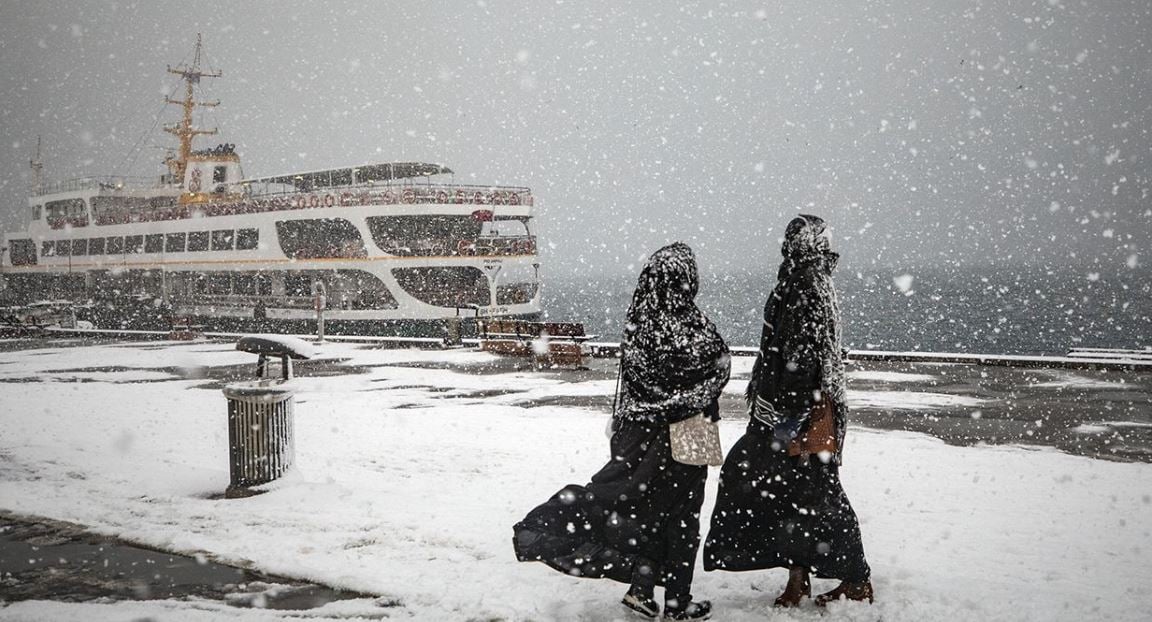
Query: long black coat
[638, 519]
[772, 510]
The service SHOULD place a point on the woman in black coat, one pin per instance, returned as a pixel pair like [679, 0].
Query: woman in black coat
[638, 520]
[780, 503]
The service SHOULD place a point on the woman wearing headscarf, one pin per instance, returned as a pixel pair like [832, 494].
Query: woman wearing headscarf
[780, 502]
[638, 520]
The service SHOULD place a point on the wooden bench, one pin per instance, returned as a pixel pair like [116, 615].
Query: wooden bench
[182, 329]
[548, 343]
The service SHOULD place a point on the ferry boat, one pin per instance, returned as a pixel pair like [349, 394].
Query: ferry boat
[381, 247]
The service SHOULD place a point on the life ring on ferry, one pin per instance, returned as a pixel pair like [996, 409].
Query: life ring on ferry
[464, 247]
[513, 199]
[408, 196]
[329, 200]
[313, 201]
[441, 197]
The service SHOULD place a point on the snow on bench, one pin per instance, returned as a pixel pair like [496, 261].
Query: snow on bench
[276, 345]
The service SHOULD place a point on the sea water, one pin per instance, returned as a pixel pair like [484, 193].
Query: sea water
[975, 310]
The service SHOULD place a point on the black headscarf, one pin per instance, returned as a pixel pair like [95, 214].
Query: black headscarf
[674, 362]
[804, 242]
[800, 355]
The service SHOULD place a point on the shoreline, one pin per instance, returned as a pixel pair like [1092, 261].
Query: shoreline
[1095, 408]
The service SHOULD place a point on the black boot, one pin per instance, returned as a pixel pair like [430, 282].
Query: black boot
[861, 591]
[639, 599]
[684, 608]
[798, 588]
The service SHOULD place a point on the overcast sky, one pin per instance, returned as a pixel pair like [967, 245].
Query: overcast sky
[925, 131]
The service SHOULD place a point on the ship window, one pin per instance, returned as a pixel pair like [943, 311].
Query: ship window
[174, 243]
[22, 252]
[222, 239]
[197, 241]
[516, 293]
[244, 283]
[297, 285]
[115, 245]
[194, 283]
[423, 236]
[133, 244]
[79, 247]
[48, 249]
[219, 174]
[63, 248]
[218, 283]
[35, 212]
[322, 237]
[247, 239]
[453, 286]
[357, 289]
[115, 210]
[96, 246]
[69, 211]
[251, 283]
[153, 243]
[263, 284]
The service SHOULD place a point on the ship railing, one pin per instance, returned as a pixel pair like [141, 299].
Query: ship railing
[464, 247]
[60, 222]
[407, 193]
[102, 183]
[503, 245]
[486, 197]
[283, 302]
[399, 184]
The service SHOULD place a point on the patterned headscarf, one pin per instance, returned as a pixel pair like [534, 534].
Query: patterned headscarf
[668, 285]
[674, 360]
[805, 239]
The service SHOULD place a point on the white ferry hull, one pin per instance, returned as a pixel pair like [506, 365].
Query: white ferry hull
[165, 272]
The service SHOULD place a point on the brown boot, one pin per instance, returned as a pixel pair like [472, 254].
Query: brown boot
[798, 588]
[848, 591]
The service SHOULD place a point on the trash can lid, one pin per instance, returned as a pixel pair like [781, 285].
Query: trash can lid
[260, 390]
[276, 345]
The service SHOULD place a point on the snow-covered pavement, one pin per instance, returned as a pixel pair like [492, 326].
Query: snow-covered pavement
[409, 479]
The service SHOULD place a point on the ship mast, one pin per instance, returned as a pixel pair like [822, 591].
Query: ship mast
[183, 130]
[37, 169]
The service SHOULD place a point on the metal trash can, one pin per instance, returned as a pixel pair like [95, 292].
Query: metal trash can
[261, 429]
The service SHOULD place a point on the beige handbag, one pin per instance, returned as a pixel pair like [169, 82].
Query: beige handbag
[696, 441]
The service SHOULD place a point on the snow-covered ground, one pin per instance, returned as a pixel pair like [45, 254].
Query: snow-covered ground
[409, 479]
